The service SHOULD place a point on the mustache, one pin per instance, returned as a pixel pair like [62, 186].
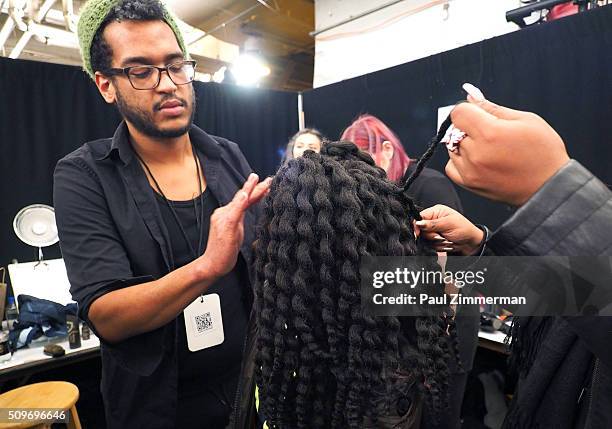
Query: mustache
[157, 106]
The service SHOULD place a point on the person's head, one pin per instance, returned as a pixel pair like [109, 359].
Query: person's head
[321, 359]
[303, 140]
[370, 134]
[120, 40]
[307, 139]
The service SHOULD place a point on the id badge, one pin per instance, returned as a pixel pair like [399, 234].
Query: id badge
[203, 323]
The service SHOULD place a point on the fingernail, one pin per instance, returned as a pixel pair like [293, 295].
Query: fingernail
[253, 176]
[421, 223]
[474, 92]
[448, 249]
[439, 237]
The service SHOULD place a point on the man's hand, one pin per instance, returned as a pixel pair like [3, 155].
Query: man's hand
[507, 154]
[227, 228]
[448, 230]
[129, 311]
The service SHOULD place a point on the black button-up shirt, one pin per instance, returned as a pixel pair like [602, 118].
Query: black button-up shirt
[112, 236]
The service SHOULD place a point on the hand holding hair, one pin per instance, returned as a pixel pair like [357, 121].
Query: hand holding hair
[507, 154]
[447, 229]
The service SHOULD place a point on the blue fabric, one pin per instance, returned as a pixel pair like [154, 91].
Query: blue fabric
[38, 317]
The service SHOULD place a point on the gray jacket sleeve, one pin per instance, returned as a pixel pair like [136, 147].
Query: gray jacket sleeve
[571, 215]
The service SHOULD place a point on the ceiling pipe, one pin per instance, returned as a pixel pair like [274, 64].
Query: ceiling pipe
[229, 21]
[21, 44]
[32, 28]
[15, 11]
[274, 8]
[46, 31]
[6, 31]
[69, 17]
[55, 17]
[355, 17]
[194, 12]
[43, 11]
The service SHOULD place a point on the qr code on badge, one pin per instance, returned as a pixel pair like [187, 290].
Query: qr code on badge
[203, 322]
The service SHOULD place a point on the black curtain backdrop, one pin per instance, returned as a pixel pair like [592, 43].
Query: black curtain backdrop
[561, 70]
[47, 111]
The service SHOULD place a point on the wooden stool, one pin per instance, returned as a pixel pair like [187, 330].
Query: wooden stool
[50, 394]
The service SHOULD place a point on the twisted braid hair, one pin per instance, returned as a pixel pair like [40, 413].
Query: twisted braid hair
[321, 362]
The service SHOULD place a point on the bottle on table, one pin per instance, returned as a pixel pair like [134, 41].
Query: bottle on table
[11, 313]
[85, 332]
[74, 335]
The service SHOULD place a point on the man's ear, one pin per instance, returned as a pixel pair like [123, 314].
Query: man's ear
[106, 87]
[387, 150]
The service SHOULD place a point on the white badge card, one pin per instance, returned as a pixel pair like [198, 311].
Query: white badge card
[203, 323]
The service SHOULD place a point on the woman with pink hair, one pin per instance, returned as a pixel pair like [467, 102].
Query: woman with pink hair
[371, 135]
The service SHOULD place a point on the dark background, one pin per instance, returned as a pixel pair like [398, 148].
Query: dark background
[561, 70]
[49, 110]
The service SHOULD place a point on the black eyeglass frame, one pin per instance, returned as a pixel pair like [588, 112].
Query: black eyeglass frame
[126, 71]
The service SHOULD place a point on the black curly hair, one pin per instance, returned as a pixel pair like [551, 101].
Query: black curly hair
[101, 54]
[321, 361]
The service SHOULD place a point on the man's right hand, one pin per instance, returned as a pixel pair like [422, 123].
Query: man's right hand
[227, 228]
[507, 154]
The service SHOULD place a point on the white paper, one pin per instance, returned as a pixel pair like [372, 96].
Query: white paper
[45, 280]
[443, 113]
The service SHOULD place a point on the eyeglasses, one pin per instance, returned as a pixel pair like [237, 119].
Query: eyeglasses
[148, 77]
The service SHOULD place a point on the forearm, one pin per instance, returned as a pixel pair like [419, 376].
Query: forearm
[134, 310]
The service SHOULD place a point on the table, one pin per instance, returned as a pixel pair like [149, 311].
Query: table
[493, 341]
[31, 360]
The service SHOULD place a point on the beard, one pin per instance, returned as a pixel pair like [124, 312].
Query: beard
[143, 120]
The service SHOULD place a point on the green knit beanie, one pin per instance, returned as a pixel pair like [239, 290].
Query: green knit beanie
[93, 13]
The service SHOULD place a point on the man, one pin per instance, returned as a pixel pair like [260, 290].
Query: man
[565, 364]
[154, 229]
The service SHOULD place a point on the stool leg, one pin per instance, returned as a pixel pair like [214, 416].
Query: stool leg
[75, 423]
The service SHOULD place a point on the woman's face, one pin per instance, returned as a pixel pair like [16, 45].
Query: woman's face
[306, 142]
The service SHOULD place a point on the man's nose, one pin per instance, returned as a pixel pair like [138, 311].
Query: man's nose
[165, 83]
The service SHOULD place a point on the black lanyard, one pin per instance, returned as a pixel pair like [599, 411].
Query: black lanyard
[199, 220]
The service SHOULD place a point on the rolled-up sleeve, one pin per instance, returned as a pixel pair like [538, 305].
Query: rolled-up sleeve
[93, 252]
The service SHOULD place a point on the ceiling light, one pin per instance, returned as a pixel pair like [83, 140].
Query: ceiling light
[249, 69]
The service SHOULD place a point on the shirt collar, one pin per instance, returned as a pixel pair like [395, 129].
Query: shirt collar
[120, 144]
